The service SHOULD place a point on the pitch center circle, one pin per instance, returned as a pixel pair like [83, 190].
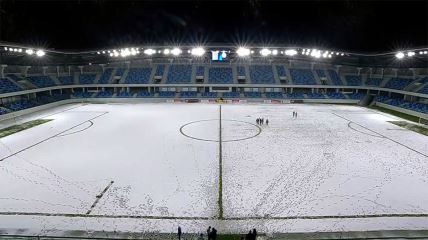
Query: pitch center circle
[208, 130]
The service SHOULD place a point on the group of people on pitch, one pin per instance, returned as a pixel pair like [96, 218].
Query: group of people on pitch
[212, 234]
[261, 121]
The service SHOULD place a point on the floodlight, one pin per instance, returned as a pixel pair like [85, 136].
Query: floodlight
[198, 51]
[125, 52]
[40, 53]
[5, 48]
[242, 52]
[265, 52]
[98, 53]
[176, 51]
[149, 51]
[116, 54]
[290, 52]
[11, 49]
[410, 54]
[342, 54]
[29, 51]
[20, 50]
[399, 55]
[425, 52]
[274, 52]
[111, 54]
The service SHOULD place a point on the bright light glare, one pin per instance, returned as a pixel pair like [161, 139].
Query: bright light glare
[274, 52]
[166, 51]
[198, 51]
[40, 53]
[176, 51]
[265, 52]
[242, 52]
[149, 51]
[29, 51]
[290, 52]
[410, 54]
[399, 55]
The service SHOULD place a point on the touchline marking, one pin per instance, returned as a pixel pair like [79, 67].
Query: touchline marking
[80, 215]
[99, 196]
[220, 163]
[414, 150]
[46, 139]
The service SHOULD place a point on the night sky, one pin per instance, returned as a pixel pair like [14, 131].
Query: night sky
[364, 26]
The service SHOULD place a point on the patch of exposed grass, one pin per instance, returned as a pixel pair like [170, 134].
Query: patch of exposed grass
[21, 127]
[396, 113]
[411, 126]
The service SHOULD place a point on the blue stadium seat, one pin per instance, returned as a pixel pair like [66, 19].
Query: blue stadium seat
[414, 106]
[145, 94]
[167, 94]
[104, 94]
[7, 86]
[274, 95]
[231, 95]
[188, 94]
[106, 76]
[295, 95]
[120, 72]
[261, 74]
[209, 94]
[124, 94]
[41, 81]
[138, 76]
[335, 78]
[320, 73]
[281, 71]
[353, 80]
[179, 74]
[160, 70]
[220, 75]
[336, 95]
[81, 94]
[302, 77]
[66, 80]
[356, 96]
[315, 95]
[87, 78]
[240, 71]
[374, 82]
[200, 71]
[252, 94]
[398, 83]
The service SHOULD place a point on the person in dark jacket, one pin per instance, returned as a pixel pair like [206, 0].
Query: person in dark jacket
[179, 233]
[209, 233]
[254, 234]
[214, 234]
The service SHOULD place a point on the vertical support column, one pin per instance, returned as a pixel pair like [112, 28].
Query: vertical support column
[3, 67]
[44, 70]
[57, 71]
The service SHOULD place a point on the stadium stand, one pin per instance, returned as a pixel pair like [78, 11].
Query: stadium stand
[87, 78]
[124, 94]
[209, 95]
[240, 71]
[374, 82]
[145, 94]
[104, 94]
[252, 95]
[179, 74]
[335, 78]
[302, 77]
[188, 94]
[295, 95]
[261, 74]
[320, 73]
[398, 83]
[231, 94]
[66, 80]
[281, 71]
[41, 81]
[315, 95]
[106, 76]
[81, 94]
[334, 95]
[7, 86]
[160, 70]
[14, 77]
[414, 106]
[200, 71]
[220, 75]
[166, 94]
[138, 76]
[353, 80]
[120, 72]
[274, 95]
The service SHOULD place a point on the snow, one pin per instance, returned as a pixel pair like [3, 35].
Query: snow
[333, 160]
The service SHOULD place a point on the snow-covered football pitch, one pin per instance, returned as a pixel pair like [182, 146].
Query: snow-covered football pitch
[153, 166]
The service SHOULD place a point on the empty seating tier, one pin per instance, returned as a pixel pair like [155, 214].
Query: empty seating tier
[179, 74]
[220, 75]
[302, 77]
[261, 74]
[138, 76]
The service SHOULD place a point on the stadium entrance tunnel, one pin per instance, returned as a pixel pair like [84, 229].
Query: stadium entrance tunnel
[209, 130]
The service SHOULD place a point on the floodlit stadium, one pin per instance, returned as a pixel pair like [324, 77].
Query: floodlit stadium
[135, 141]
